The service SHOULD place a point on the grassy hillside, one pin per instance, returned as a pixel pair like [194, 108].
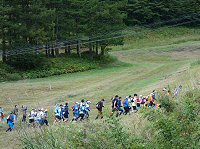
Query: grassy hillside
[53, 66]
[176, 125]
[147, 66]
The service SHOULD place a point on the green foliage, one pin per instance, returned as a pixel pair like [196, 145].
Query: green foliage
[27, 61]
[148, 11]
[167, 103]
[37, 66]
[178, 128]
[109, 134]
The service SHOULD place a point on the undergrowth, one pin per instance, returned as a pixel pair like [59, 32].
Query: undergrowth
[90, 135]
[175, 125]
[51, 66]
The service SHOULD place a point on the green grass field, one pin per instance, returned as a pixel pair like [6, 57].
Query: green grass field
[152, 61]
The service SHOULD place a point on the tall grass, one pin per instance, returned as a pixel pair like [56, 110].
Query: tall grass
[175, 125]
[90, 134]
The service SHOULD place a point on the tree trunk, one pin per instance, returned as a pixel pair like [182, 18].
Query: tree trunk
[57, 51]
[103, 50]
[90, 48]
[78, 48]
[3, 45]
[46, 51]
[56, 48]
[49, 50]
[93, 46]
[96, 52]
[52, 51]
[68, 49]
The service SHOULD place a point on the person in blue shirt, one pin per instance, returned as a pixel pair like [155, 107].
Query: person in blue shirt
[114, 104]
[87, 109]
[81, 112]
[58, 114]
[119, 105]
[56, 107]
[75, 109]
[65, 112]
[126, 106]
[10, 122]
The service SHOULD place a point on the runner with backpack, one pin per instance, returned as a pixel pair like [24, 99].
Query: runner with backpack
[87, 109]
[119, 105]
[2, 116]
[32, 117]
[10, 122]
[75, 109]
[99, 107]
[15, 112]
[134, 105]
[81, 112]
[114, 105]
[58, 114]
[126, 106]
[46, 117]
[65, 112]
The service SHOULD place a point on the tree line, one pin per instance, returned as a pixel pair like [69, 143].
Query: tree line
[34, 22]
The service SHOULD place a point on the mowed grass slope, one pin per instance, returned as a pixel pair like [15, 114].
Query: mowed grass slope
[143, 69]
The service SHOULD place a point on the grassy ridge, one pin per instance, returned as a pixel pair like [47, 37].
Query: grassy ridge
[143, 70]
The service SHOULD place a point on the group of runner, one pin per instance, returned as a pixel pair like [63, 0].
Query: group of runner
[133, 103]
[80, 111]
[39, 117]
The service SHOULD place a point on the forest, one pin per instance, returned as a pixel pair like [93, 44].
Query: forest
[32, 30]
[33, 22]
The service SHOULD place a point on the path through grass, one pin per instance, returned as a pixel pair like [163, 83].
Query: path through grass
[144, 70]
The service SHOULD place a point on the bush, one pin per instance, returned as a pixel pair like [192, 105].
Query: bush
[27, 61]
[167, 103]
[32, 66]
[13, 77]
[178, 128]
[90, 135]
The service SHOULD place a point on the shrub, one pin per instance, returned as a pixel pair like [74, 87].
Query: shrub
[27, 61]
[96, 134]
[13, 77]
[178, 128]
[167, 103]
